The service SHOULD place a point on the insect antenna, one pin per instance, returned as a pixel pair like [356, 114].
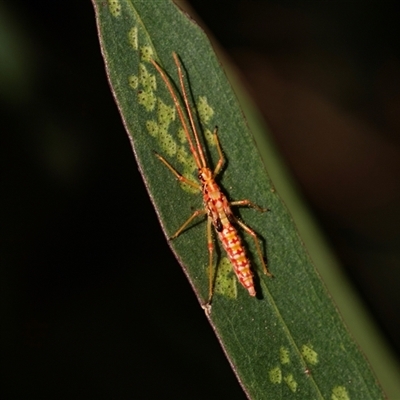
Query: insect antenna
[188, 109]
[195, 150]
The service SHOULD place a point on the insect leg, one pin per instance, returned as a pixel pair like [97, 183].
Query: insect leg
[254, 236]
[178, 176]
[210, 246]
[221, 159]
[188, 221]
[248, 203]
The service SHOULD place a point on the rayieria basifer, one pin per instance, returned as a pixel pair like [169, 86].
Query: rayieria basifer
[216, 205]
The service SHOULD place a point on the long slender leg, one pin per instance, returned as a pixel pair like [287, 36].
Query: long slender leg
[254, 236]
[178, 176]
[188, 221]
[210, 245]
[221, 159]
[248, 203]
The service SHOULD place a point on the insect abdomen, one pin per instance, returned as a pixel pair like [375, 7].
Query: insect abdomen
[237, 256]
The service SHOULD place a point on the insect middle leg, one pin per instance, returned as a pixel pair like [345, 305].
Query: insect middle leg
[178, 175]
[182, 179]
[210, 246]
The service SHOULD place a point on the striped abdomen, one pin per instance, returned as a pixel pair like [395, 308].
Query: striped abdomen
[237, 256]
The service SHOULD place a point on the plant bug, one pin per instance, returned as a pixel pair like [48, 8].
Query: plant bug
[216, 205]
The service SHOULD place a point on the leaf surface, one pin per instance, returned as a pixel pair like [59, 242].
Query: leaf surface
[290, 341]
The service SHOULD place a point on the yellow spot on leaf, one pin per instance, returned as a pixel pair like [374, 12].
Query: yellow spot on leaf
[147, 100]
[290, 381]
[190, 164]
[181, 135]
[165, 114]
[209, 137]
[309, 355]
[133, 37]
[152, 128]
[147, 80]
[340, 393]
[225, 281]
[167, 142]
[275, 375]
[181, 155]
[146, 53]
[284, 355]
[204, 109]
[114, 7]
[133, 81]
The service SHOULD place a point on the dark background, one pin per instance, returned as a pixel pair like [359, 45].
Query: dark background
[326, 76]
[93, 303]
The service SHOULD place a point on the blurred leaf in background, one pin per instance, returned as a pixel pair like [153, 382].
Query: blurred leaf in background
[325, 76]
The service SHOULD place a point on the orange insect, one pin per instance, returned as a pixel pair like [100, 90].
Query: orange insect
[216, 205]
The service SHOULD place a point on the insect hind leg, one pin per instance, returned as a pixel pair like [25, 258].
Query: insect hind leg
[256, 242]
[210, 245]
[248, 203]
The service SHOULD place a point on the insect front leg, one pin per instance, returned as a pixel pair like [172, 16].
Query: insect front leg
[221, 159]
[178, 175]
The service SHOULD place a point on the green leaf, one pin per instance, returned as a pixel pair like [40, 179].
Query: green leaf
[290, 341]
